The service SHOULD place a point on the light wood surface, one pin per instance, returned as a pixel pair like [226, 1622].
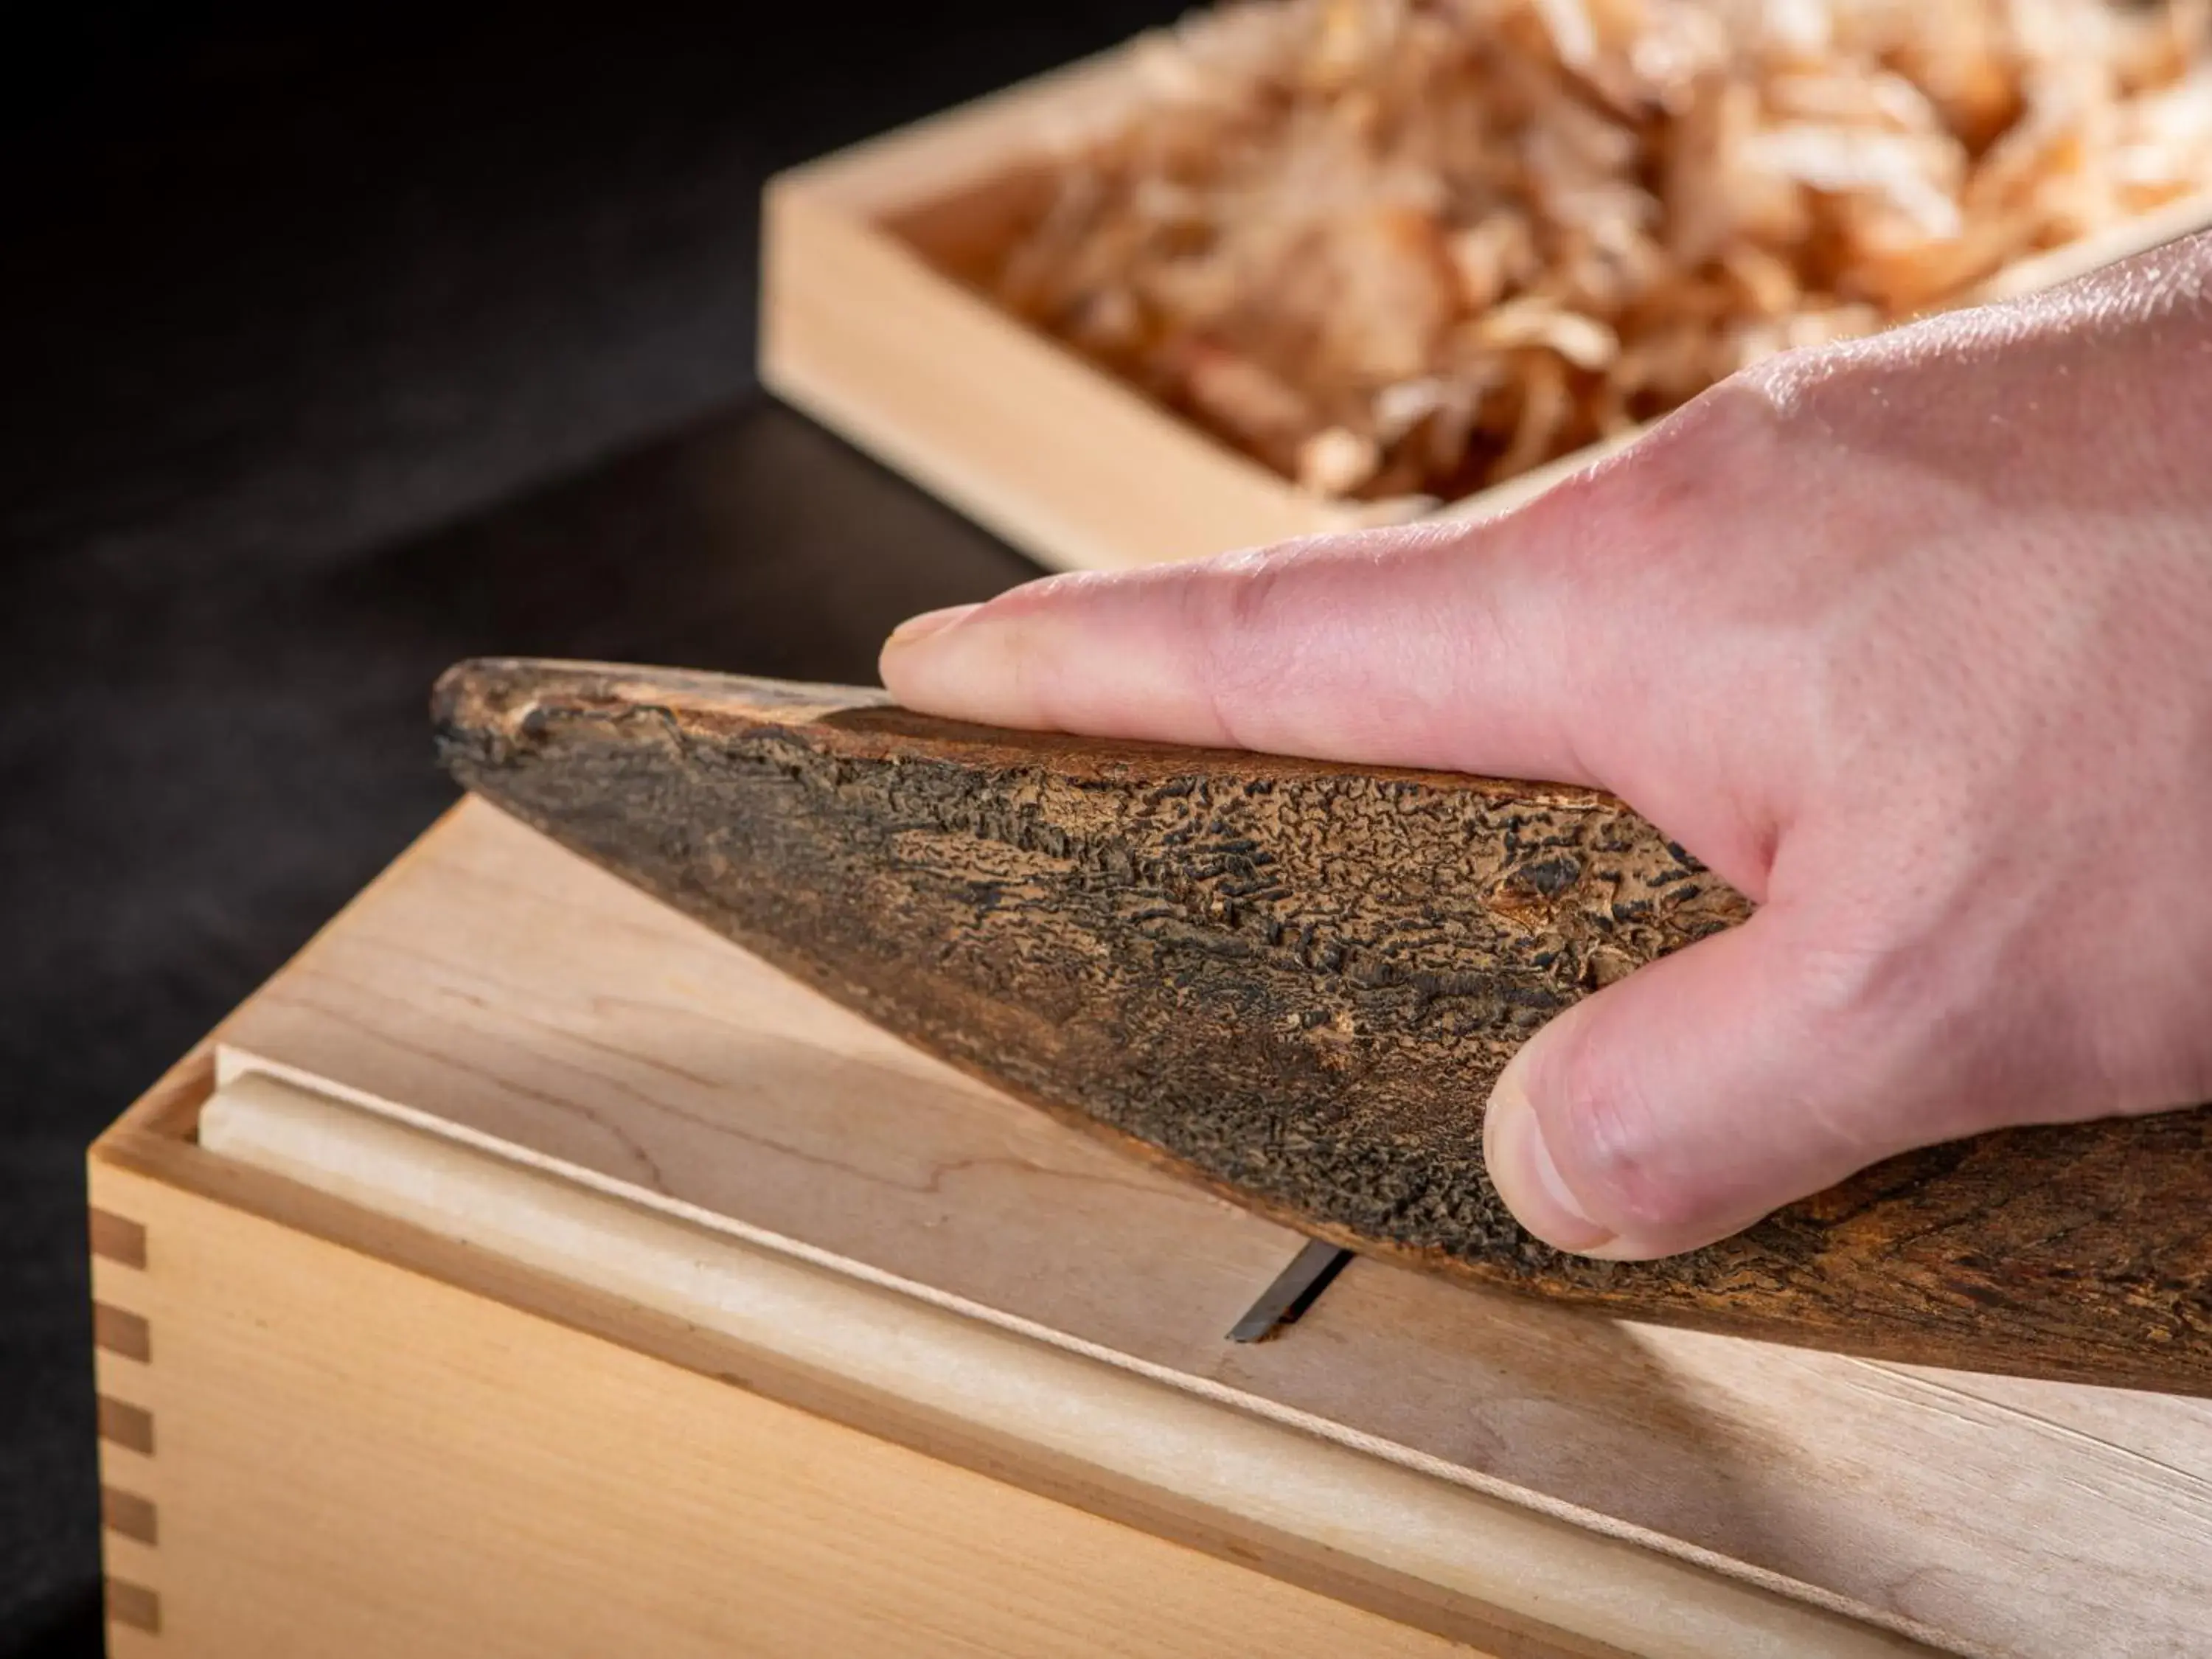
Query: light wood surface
[1427, 1552]
[1074, 470]
[861, 329]
[355, 1461]
[865, 334]
[497, 984]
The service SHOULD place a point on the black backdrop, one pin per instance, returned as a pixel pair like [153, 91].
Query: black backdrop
[333, 348]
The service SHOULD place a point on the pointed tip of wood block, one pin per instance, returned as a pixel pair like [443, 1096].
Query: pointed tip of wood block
[495, 705]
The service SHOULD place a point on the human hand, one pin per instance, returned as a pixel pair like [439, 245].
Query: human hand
[1908, 639]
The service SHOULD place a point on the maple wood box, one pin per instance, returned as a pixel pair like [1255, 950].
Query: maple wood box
[862, 328]
[526, 1270]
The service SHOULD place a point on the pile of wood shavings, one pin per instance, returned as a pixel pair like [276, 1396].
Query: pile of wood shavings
[1408, 248]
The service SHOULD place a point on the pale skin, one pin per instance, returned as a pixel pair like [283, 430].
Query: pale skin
[1909, 639]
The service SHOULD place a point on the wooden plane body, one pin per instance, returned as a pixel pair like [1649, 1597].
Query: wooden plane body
[1295, 982]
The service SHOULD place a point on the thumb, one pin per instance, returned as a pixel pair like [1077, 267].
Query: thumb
[1685, 1102]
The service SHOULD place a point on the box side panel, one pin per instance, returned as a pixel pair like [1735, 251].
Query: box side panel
[325, 1453]
[1078, 472]
[1195, 1468]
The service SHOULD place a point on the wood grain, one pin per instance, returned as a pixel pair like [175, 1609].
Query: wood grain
[1254, 1490]
[1295, 982]
[369, 1463]
[510, 988]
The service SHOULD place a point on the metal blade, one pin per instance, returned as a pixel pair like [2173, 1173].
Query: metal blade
[1296, 1289]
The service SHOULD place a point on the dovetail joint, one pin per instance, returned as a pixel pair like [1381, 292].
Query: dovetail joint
[121, 1332]
[129, 1516]
[133, 1605]
[124, 1425]
[129, 1335]
[118, 1238]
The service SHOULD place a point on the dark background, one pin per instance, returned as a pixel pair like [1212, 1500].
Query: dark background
[337, 343]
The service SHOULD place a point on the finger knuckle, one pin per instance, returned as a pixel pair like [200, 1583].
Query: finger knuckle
[1723, 435]
[1240, 616]
[1615, 1141]
[1670, 492]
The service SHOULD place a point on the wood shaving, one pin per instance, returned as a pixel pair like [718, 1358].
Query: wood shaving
[1404, 249]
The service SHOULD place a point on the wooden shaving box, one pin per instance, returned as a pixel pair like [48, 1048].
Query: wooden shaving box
[862, 328]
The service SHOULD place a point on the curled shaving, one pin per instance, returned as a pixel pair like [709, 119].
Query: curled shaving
[1404, 249]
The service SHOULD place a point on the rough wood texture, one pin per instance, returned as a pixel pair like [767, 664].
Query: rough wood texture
[1295, 982]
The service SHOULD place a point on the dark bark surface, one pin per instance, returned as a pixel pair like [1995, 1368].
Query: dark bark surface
[1296, 981]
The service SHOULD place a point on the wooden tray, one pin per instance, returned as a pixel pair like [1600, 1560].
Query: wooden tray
[861, 328]
[526, 1270]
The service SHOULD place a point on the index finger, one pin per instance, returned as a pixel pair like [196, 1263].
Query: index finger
[1449, 646]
